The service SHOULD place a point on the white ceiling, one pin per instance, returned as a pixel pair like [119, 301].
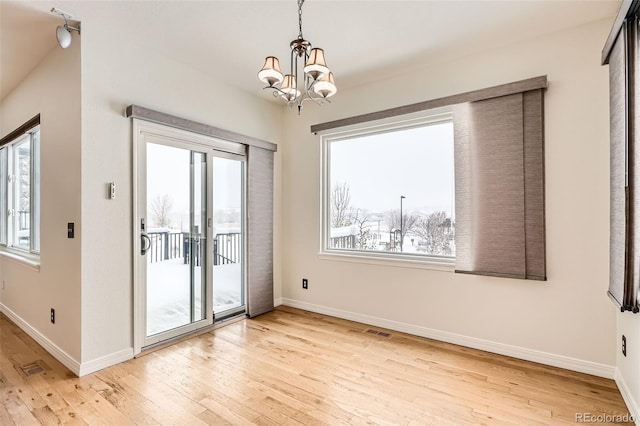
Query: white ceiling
[363, 40]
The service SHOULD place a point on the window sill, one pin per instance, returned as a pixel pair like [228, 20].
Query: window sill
[399, 261]
[28, 260]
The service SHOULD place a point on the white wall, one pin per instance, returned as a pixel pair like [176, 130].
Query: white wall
[116, 74]
[91, 289]
[628, 374]
[52, 90]
[86, 143]
[567, 320]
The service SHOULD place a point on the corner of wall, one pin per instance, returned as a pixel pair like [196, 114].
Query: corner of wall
[627, 396]
[57, 352]
[57, 282]
[628, 366]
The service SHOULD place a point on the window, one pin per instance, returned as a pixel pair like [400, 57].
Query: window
[498, 225]
[375, 177]
[20, 192]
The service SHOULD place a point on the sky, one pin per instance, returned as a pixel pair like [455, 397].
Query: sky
[168, 172]
[379, 168]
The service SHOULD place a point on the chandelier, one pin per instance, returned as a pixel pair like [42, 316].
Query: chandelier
[318, 84]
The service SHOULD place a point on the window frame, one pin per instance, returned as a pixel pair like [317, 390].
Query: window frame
[8, 244]
[392, 124]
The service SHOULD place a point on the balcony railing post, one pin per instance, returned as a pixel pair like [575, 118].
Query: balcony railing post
[185, 247]
[165, 237]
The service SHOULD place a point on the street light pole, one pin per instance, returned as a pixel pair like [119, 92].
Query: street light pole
[402, 197]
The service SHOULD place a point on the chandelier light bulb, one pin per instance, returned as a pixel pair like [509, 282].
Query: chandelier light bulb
[270, 72]
[316, 66]
[325, 87]
[289, 88]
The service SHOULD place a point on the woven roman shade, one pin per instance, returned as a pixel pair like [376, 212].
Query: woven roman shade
[621, 53]
[499, 166]
[618, 204]
[260, 231]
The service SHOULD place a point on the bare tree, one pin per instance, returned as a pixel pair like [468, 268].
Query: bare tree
[409, 221]
[364, 237]
[435, 232]
[24, 182]
[161, 207]
[341, 211]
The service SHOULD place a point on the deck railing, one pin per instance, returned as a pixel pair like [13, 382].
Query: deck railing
[227, 248]
[166, 245]
[347, 241]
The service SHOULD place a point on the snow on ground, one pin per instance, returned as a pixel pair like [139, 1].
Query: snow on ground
[168, 293]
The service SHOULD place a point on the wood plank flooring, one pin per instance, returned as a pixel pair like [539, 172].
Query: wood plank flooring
[292, 367]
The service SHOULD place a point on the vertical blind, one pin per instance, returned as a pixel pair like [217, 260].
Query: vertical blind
[499, 166]
[260, 231]
[624, 242]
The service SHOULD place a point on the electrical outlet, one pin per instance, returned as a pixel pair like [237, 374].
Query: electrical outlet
[53, 316]
[624, 345]
[305, 283]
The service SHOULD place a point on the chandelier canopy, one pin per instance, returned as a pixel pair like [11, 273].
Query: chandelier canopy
[318, 83]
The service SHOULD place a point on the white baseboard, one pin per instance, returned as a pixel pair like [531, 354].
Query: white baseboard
[105, 361]
[546, 358]
[55, 351]
[628, 397]
[277, 302]
[77, 368]
[561, 361]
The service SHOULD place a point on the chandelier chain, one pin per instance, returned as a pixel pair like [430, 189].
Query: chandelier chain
[300, 3]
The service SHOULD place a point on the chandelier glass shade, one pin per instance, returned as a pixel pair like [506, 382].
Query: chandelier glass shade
[316, 82]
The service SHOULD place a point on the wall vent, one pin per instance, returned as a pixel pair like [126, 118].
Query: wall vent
[378, 333]
[34, 368]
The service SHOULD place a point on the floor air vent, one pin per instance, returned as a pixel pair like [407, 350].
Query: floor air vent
[378, 333]
[34, 368]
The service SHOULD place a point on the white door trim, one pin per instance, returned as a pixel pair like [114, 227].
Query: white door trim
[144, 132]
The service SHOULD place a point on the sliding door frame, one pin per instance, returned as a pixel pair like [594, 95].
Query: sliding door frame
[222, 315]
[211, 147]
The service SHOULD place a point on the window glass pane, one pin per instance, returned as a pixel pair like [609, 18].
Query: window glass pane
[22, 193]
[4, 172]
[35, 201]
[375, 177]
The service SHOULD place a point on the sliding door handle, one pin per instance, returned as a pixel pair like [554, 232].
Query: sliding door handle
[144, 238]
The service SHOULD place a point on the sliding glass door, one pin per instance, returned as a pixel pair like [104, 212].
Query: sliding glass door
[173, 240]
[190, 236]
[228, 230]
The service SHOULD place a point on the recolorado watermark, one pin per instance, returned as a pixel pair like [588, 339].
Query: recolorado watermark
[604, 418]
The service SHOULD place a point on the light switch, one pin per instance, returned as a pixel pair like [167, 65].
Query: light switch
[70, 230]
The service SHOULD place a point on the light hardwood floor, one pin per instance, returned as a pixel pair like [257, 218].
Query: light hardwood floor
[294, 367]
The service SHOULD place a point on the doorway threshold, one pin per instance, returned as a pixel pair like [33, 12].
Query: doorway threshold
[183, 337]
